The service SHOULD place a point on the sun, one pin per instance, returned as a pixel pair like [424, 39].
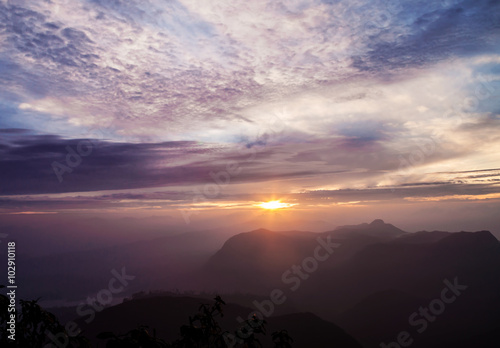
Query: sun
[274, 205]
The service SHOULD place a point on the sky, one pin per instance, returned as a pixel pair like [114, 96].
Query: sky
[196, 110]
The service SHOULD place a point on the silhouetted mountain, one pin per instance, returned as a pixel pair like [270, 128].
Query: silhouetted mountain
[307, 330]
[420, 237]
[377, 228]
[261, 252]
[268, 254]
[375, 279]
[487, 339]
[368, 279]
[167, 314]
[380, 312]
[471, 259]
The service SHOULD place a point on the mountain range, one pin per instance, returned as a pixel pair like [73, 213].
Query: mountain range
[374, 282]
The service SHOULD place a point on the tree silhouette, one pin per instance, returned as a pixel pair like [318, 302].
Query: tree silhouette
[139, 337]
[32, 325]
[203, 330]
[282, 339]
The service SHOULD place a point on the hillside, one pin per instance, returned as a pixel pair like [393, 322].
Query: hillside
[167, 314]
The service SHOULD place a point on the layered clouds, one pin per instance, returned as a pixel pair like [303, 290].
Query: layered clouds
[354, 101]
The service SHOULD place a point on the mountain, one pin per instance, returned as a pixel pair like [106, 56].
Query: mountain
[377, 228]
[373, 280]
[419, 270]
[487, 339]
[380, 315]
[368, 279]
[269, 254]
[261, 252]
[308, 330]
[166, 314]
[421, 237]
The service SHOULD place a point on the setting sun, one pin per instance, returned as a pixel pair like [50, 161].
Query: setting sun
[274, 205]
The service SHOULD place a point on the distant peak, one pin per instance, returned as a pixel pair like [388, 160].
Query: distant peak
[377, 222]
[261, 230]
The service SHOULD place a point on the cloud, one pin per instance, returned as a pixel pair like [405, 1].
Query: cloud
[30, 164]
[437, 31]
[43, 163]
[328, 93]
[14, 131]
[153, 71]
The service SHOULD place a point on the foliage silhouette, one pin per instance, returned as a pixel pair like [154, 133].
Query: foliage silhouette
[282, 339]
[139, 337]
[32, 325]
[203, 331]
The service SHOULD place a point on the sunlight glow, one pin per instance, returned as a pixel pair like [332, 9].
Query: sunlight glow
[275, 205]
